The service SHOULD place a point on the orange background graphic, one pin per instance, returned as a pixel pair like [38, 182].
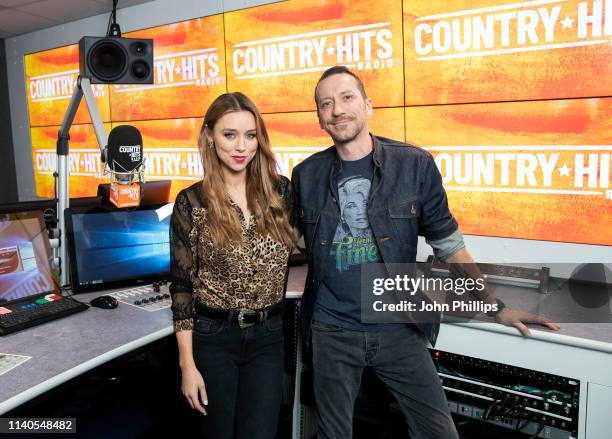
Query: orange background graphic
[197, 40]
[294, 136]
[554, 217]
[295, 92]
[542, 74]
[552, 104]
[82, 137]
[166, 137]
[51, 64]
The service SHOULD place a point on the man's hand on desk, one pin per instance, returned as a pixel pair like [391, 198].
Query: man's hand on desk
[465, 264]
[518, 318]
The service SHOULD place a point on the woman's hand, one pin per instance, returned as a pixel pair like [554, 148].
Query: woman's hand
[192, 386]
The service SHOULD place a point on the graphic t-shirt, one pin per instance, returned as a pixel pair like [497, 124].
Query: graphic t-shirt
[339, 296]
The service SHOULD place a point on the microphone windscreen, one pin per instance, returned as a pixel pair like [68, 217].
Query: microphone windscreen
[124, 149]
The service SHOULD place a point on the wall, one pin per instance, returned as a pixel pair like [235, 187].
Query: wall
[136, 17]
[8, 182]
[484, 248]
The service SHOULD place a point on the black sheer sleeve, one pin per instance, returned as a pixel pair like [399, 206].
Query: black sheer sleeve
[288, 196]
[181, 264]
[293, 205]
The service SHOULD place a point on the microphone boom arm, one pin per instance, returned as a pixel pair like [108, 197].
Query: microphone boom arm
[82, 89]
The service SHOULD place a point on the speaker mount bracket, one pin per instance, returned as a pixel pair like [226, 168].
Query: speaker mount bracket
[83, 89]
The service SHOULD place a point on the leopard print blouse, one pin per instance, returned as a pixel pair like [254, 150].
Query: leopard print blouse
[250, 274]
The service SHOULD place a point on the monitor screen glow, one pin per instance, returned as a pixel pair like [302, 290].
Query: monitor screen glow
[120, 246]
[25, 256]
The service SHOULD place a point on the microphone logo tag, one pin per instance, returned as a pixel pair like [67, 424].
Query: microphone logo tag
[125, 195]
[132, 151]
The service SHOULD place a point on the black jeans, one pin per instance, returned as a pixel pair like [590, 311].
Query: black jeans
[242, 371]
[399, 358]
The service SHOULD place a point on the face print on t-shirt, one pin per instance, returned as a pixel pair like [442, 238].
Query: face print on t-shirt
[353, 240]
[353, 199]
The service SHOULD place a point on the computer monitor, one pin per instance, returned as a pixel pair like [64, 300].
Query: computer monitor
[25, 256]
[115, 248]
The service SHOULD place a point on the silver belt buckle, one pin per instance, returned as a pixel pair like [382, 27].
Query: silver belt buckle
[241, 313]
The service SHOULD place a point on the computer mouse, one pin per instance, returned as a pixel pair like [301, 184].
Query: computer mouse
[106, 302]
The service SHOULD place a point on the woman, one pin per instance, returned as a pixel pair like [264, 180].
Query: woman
[231, 240]
[353, 199]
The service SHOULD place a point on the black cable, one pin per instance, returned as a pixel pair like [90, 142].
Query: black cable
[112, 22]
[516, 413]
[487, 412]
[510, 410]
[71, 293]
[519, 427]
[110, 18]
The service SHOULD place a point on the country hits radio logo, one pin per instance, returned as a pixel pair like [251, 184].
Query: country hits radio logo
[363, 47]
[160, 163]
[177, 163]
[545, 169]
[198, 68]
[56, 86]
[513, 28]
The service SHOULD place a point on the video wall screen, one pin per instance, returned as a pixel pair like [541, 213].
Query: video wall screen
[512, 99]
[486, 51]
[530, 169]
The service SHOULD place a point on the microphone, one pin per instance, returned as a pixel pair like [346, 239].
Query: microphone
[124, 161]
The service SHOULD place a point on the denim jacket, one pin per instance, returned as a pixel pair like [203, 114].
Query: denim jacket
[406, 200]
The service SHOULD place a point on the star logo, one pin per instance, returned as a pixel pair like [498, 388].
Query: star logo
[331, 50]
[568, 23]
[564, 171]
[177, 70]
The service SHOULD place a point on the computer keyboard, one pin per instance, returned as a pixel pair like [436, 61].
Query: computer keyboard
[36, 310]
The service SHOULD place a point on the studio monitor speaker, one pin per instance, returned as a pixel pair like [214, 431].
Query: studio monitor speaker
[115, 60]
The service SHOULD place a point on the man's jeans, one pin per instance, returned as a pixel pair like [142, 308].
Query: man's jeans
[399, 358]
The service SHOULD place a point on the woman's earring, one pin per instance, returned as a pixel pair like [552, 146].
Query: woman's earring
[210, 143]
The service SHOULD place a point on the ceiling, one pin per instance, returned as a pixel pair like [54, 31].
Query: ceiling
[23, 16]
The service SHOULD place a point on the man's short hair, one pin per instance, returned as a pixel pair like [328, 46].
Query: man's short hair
[338, 70]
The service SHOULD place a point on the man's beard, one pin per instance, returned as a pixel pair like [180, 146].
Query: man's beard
[348, 135]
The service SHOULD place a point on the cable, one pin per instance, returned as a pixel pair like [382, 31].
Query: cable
[519, 427]
[487, 412]
[509, 409]
[110, 18]
[112, 29]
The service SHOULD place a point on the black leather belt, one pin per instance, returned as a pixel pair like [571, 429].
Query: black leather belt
[244, 317]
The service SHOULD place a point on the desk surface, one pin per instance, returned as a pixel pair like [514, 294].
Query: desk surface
[580, 327]
[577, 327]
[68, 347]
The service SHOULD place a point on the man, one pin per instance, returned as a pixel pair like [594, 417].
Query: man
[405, 199]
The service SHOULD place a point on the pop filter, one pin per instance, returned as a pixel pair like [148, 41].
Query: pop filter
[124, 152]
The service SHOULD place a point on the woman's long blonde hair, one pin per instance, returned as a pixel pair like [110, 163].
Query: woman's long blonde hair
[261, 180]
